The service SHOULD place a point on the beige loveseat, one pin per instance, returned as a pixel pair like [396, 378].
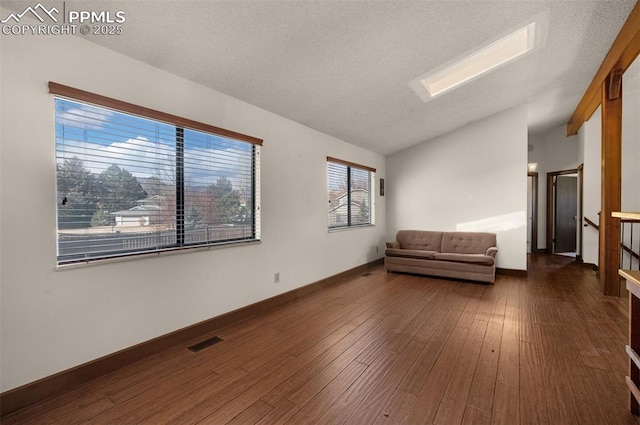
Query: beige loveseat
[460, 255]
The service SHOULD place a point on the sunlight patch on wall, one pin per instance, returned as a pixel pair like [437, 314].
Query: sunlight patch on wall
[500, 223]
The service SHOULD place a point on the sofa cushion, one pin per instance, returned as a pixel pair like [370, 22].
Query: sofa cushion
[467, 242]
[423, 240]
[434, 266]
[465, 258]
[409, 253]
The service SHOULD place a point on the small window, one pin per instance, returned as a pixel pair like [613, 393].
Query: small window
[128, 184]
[350, 189]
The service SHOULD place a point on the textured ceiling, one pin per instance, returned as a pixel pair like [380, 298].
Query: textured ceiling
[342, 67]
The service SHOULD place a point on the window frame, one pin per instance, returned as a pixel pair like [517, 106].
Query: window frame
[371, 177]
[181, 124]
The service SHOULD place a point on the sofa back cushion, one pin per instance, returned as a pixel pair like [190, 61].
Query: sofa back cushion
[420, 240]
[467, 242]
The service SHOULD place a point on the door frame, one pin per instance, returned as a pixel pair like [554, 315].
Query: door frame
[534, 211]
[551, 205]
[580, 222]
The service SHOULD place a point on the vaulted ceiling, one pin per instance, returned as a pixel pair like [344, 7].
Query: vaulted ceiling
[342, 67]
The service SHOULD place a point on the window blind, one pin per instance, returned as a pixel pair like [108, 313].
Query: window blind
[127, 184]
[350, 194]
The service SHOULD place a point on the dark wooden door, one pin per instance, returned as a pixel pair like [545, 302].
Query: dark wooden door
[566, 213]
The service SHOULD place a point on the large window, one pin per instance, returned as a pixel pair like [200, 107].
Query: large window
[131, 183]
[350, 189]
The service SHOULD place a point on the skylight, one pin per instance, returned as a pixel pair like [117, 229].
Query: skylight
[481, 61]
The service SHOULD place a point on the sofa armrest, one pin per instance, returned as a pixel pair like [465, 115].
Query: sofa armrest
[492, 252]
[393, 244]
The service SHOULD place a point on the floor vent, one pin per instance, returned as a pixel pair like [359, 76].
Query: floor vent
[205, 344]
[366, 274]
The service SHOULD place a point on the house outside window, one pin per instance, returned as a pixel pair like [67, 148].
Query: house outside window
[350, 193]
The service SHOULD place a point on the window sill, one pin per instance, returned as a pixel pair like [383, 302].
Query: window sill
[153, 254]
[343, 228]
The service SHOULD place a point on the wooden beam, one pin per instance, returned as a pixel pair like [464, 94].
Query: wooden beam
[623, 52]
[609, 252]
[615, 84]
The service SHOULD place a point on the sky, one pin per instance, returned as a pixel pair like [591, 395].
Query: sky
[101, 137]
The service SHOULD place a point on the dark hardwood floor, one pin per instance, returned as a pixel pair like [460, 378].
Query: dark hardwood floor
[387, 349]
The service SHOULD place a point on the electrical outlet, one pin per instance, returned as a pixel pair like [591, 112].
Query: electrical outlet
[276, 277]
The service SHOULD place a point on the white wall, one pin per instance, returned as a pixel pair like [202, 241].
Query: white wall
[475, 176]
[590, 135]
[54, 320]
[631, 156]
[552, 151]
[631, 138]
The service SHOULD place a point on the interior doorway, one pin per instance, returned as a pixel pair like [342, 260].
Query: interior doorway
[564, 216]
[532, 212]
